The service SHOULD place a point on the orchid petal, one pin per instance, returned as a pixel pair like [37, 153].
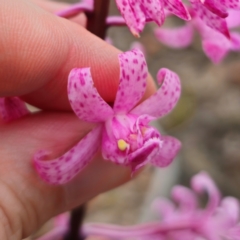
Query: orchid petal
[230, 207]
[235, 40]
[134, 22]
[115, 21]
[166, 97]
[185, 198]
[202, 182]
[216, 8]
[12, 108]
[176, 38]
[210, 18]
[145, 154]
[233, 19]
[63, 169]
[215, 50]
[84, 97]
[154, 10]
[169, 150]
[133, 81]
[177, 8]
[74, 9]
[232, 4]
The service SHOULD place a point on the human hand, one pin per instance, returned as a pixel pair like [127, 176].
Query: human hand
[38, 50]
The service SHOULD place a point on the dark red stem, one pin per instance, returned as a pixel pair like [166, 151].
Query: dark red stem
[76, 220]
[96, 24]
[97, 19]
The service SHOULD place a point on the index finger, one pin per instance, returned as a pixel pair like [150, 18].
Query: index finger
[38, 50]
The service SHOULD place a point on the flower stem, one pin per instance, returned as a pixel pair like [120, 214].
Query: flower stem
[76, 220]
[97, 25]
[97, 19]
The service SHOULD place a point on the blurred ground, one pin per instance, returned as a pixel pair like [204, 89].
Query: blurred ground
[206, 120]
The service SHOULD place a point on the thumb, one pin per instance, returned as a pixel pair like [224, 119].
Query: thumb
[38, 50]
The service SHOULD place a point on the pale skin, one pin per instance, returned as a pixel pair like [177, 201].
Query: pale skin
[37, 51]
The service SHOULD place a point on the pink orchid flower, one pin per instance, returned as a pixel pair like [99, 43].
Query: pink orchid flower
[12, 108]
[137, 12]
[123, 132]
[215, 45]
[219, 220]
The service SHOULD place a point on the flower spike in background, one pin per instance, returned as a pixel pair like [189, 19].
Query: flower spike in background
[181, 218]
[215, 45]
[123, 132]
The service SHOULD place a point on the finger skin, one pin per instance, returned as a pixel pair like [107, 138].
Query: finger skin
[27, 201]
[54, 7]
[38, 50]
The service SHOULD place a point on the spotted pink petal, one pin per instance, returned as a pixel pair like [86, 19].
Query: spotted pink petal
[74, 9]
[12, 108]
[169, 150]
[176, 38]
[215, 50]
[84, 97]
[177, 8]
[133, 80]
[134, 22]
[215, 7]
[209, 18]
[165, 99]
[153, 9]
[232, 4]
[61, 170]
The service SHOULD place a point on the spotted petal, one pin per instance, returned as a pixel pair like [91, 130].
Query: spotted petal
[84, 97]
[154, 10]
[209, 18]
[176, 38]
[169, 150]
[133, 78]
[216, 7]
[12, 108]
[64, 168]
[215, 50]
[232, 4]
[177, 8]
[165, 99]
[134, 22]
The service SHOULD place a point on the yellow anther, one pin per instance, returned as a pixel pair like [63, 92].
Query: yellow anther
[122, 145]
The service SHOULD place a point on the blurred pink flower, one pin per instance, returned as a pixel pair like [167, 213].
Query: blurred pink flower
[215, 45]
[219, 220]
[123, 131]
